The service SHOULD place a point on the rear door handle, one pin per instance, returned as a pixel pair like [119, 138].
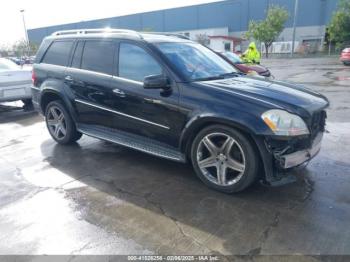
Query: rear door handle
[119, 92]
[69, 79]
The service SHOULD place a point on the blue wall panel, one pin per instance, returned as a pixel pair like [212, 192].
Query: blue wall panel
[130, 22]
[256, 10]
[153, 21]
[234, 14]
[222, 14]
[178, 19]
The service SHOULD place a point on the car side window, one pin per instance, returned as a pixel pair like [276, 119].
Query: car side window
[135, 63]
[77, 55]
[58, 53]
[98, 56]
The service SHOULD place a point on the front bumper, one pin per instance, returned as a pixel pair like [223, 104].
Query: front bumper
[300, 157]
[266, 73]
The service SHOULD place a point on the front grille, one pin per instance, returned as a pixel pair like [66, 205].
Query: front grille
[318, 123]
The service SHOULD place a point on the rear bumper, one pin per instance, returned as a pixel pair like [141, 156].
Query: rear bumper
[300, 157]
[35, 99]
[14, 93]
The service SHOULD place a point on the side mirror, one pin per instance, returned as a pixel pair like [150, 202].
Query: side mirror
[156, 82]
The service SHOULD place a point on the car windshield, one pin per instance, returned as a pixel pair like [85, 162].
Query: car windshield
[6, 64]
[196, 62]
[233, 57]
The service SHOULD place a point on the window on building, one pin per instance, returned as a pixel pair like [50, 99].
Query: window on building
[58, 53]
[227, 46]
[135, 63]
[98, 56]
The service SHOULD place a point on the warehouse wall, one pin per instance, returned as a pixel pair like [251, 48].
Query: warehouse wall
[233, 14]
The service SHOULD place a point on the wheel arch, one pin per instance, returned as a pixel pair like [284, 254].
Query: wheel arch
[50, 94]
[194, 128]
[47, 96]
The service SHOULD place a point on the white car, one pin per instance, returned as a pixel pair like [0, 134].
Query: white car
[15, 82]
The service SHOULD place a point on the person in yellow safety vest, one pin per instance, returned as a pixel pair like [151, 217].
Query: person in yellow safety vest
[251, 55]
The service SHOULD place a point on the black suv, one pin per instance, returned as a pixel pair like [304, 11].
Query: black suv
[176, 99]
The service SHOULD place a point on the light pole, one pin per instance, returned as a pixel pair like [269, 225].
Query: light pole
[296, 6]
[25, 30]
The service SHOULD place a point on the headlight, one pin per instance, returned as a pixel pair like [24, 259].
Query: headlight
[283, 123]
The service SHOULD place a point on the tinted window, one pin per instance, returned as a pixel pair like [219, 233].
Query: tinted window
[77, 55]
[135, 63]
[195, 61]
[98, 56]
[233, 57]
[58, 53]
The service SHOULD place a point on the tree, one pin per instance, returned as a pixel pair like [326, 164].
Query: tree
[266, 31]
[203, 39]
[20, 48]
[339, 26]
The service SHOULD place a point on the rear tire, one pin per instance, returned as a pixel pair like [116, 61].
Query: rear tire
[224, 159]
[60, 124]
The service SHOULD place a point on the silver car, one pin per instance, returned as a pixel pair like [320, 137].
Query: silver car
[15, 82]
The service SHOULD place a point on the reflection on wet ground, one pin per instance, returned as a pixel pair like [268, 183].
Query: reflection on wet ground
[325, 75]
[98, 198]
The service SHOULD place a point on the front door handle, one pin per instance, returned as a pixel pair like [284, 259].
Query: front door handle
[119, 92]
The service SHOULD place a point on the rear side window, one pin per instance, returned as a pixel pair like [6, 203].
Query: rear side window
[77, 55]
[98, 56]
[135, 63]
[58, 53]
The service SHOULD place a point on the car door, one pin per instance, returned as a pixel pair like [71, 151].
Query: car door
[89, 79]
[152, 113]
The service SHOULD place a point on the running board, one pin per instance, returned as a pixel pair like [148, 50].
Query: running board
[140, 143]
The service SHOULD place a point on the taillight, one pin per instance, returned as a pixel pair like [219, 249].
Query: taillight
[33, 77]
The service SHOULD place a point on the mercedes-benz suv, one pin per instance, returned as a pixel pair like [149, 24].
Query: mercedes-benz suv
[176, 99]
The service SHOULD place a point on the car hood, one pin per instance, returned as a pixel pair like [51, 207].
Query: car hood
[274, 94]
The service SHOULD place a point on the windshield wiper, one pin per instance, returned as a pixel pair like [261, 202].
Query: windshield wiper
[232, 74]
[209, 78]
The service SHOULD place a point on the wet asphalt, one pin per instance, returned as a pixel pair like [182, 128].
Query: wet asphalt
[98, 198]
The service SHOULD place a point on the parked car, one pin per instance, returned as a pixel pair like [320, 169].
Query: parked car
[345, 56]
[238, 63]
[15, 82]
[178, 100]
[16, 60]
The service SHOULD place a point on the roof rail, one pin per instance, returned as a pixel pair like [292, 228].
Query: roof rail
[96, 31]
[168, 34]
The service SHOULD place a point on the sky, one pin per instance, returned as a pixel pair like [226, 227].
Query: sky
[40, 13]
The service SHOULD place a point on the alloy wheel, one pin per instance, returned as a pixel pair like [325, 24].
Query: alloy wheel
[56, 122]
[221, 159]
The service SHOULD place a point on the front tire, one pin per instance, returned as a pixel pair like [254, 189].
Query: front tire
[60, 124]
[224, 159]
